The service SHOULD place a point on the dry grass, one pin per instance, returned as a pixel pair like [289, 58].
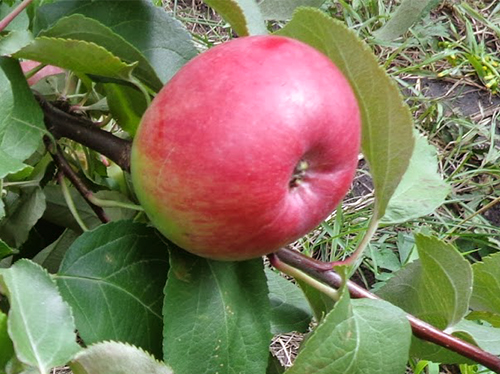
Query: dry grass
[206, 26]
[61, 370]
[285, 347]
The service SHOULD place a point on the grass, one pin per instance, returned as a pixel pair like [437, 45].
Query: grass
[448, 68]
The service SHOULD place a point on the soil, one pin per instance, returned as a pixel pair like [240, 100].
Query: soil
[460, 99]
[493, 215]
[362, 184]
[467, 101]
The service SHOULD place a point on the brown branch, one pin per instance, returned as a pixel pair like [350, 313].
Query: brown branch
[84, 131]
[64, 167]
[421, 329]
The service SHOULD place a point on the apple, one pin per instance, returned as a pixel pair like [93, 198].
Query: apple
[249, 147]
[47, 70]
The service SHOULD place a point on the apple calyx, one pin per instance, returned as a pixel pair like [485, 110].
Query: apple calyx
[299, 173]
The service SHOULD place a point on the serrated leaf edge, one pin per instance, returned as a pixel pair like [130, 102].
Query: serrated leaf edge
[136, 63]
[485, 260]
[126, 344]
[52, 280]
[131, 66]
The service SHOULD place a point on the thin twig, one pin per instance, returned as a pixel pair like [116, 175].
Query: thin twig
[65, 168]
[10, 17]
[421, 329]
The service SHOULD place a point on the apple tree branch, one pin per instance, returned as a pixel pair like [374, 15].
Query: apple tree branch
[85, 132]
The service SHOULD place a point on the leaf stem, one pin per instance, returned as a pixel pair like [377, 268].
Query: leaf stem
[421, 329]
[136, 82]
[10, 17]
[113, 203]
[297, 274]
[70, 202]
[356, 255]
[65, 168]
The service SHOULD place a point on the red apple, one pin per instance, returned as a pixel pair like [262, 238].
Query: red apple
[249, 147]
[47, 70]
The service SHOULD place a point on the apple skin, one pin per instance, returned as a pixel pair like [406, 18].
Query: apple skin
[44, 72]
[249, 147]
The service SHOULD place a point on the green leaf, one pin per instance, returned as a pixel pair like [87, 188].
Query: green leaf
[21, 22]
[320, 303]
[283, 9]
[244, 16]
[14, 41]
[116, 213]
[51, 256]
[421, 189]
[408, 12]
[113, 278]
[5, 250]
[164, 41]
[427, 351]
[486, 290]
[216, 316]
[274, 366]
[116, 358]
[9, 165]
[77, 55]
[40, 323]
[23, 212]
[58, 212]
[359, 336]
[485, 337]
[492, 318]
[436, 289]
[289, 308]
[384, 257]
[126, 105]
[22, 174]
[21, 119]
[387, 132]
[78, 27]
[6, 347]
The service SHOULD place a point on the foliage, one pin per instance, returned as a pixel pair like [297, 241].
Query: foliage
[76, 254]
